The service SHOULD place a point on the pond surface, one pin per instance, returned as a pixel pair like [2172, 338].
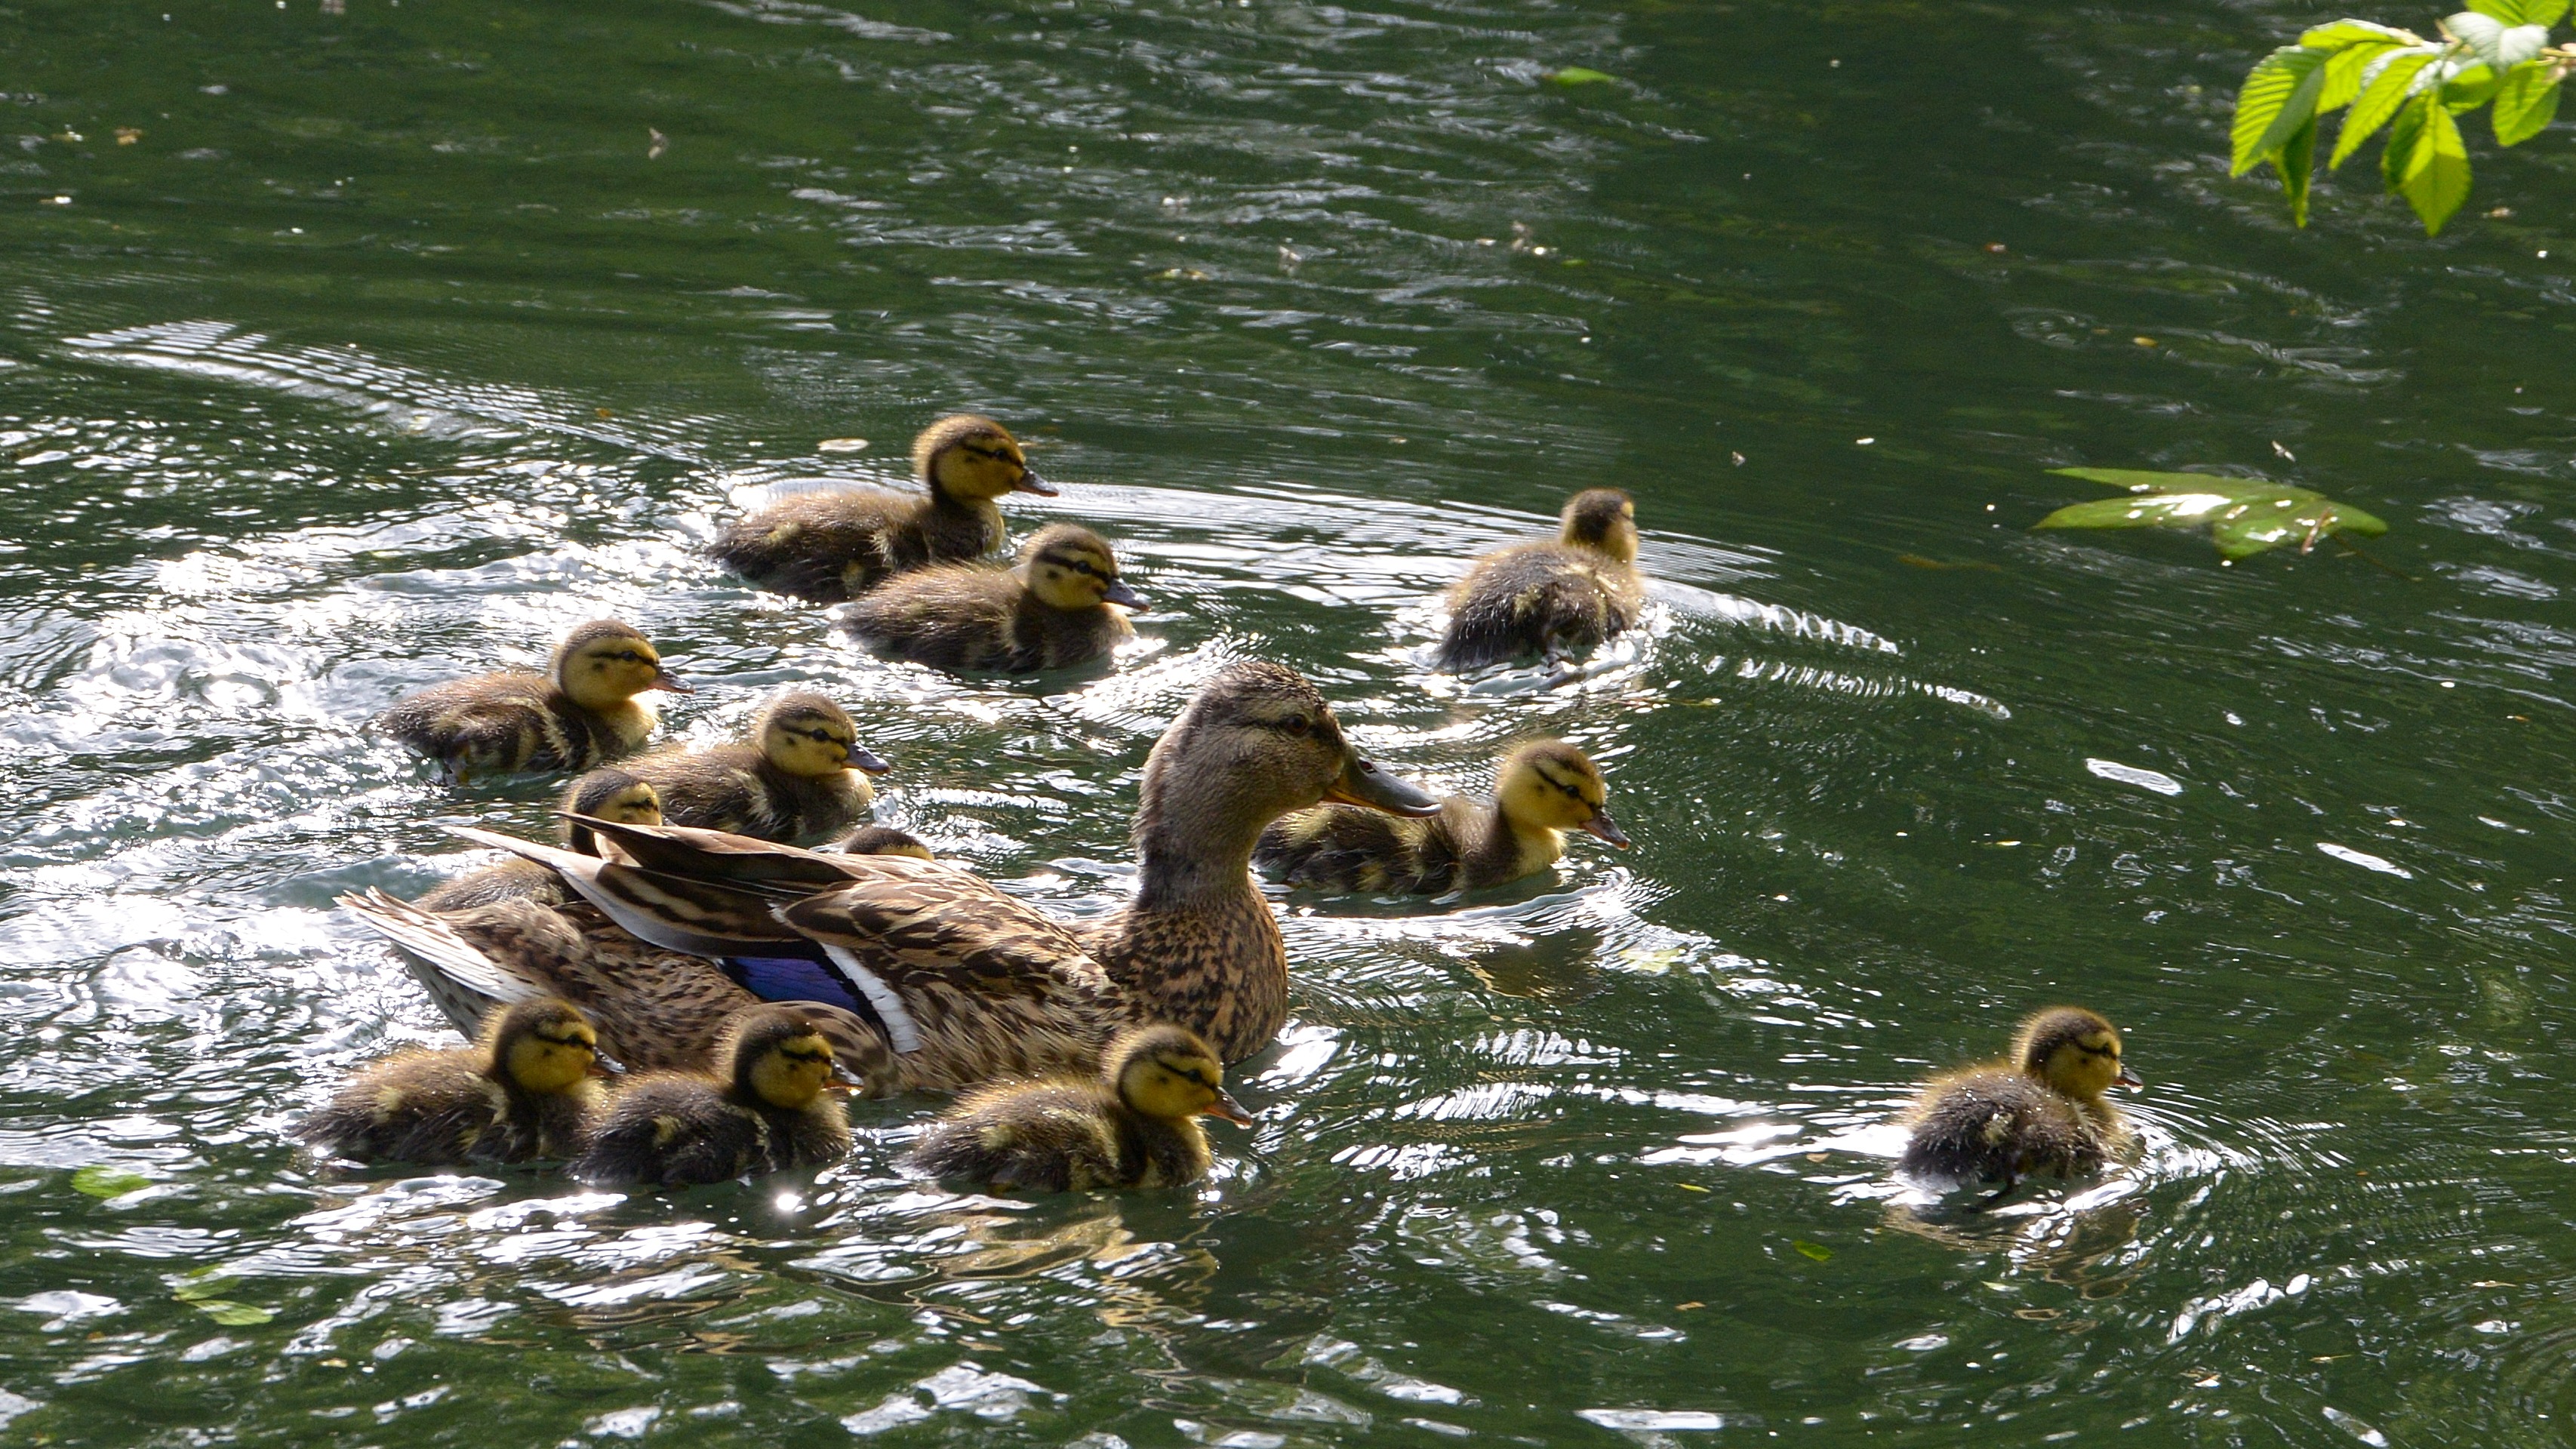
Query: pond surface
[347, 352]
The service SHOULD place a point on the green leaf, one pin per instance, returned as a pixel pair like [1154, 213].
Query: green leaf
[2298, 516]
[2516, 12]
[2297, 162]
[2435, 179]
[2543, 13]
[1576, 75]
[2279, 96]
[204, 1283]
[2470, 86]
[100, 1181]
[2404, 134]
[2345, 69]
[2341, 33]
[2245, 516]
[2382, 96]
[2140, 480]
[2527, 103]
[233, 1315]
[1817, 1251]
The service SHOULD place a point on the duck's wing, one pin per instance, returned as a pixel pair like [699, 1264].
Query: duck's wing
[463, 981]
[714, 903]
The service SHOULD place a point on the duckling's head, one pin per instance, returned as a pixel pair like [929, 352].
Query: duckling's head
[1070, 567]
[543, 1045]
[1167, 1072]
[974, 458]
[1551, 785]
[1603, 520]
[2075, 1051]
[806, 735]
[609, 794]
[778, 1057]
[880, 840]
[1256, 743]
[605, 663]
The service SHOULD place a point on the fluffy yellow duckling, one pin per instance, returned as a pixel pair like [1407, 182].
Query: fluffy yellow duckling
[770, 1113]
[524, 1090]
[1542, 790]
[1063, 604]
[838, 544]
[879, 840]
[1134, 1125]
[1550, 596]
[581, 712]
[2039, 1110]
[802, 775]
[608, 793]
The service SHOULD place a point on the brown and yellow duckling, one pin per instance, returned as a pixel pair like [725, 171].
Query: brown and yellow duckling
[875, 840]
[801, 775]
[582, 711]
[1062, 604]
[522, 1091]
[1550, 597]
[1133, 1125]
[1542, 790]
[769, 1111]
[829, 546]
[607, 793]
[2041, 1109]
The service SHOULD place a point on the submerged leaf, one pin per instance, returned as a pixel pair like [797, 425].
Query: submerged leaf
[2244, 516]
[1817, 1251]
[1579, 75]
[101, 1181]
[234, 1315]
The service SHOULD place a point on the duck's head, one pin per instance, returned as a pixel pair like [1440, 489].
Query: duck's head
[605, 663]
[1551, 785]
[544, 1045]
[806, 735]
[1167, 1072]
[880, 840]
[1603, 520]
[609, 794]
[778, 1057]
[1070, 567]
[2075, 1051]
[974, 458]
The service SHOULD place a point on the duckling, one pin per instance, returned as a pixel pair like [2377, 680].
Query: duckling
[831, 546]
[769, 1113]
[1550, 596]
[1054, 609]
[798, 777]
[2039, 1110]
[1542, 790]
[1134, 1125]
[523, 1090]
[608, 793]
[873, 840]
[581, 712]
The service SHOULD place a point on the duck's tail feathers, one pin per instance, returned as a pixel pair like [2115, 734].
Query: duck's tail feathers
[463, 981]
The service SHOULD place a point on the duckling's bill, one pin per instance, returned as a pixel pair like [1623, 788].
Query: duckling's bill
[867, 761]
[1030, 482]
[1124, 597]
[1231, 1110]
[2128, 1078]
[1365, 782]
[1603, 827]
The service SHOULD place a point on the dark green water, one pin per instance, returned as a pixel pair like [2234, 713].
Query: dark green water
[387, 347]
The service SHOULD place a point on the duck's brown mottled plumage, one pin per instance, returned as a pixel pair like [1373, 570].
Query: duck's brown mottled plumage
[1542, 790]
[2040, 1110]
[766, 1112]
[522, 1091]
[1062, 604]
[1550, 596]
[974, 984]
[799, 777]
[1132, 1125]
[827, 547]
[607, 793]
[581, 712]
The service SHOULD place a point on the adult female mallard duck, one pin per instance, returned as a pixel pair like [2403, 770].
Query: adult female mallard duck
[1133, 1125]
[581, 712]
[607, 794]
[802, 775]
[964, 983]
[1550, 596]
[1543, 790]
[523, 1090]
[766, 1112]
[1063, 604]
[2039, 1110]
[839, 543]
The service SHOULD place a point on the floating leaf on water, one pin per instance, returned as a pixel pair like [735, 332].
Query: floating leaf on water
[1577, 75]
[204, 1283]
[1817, 1251]
[233, 1315]
[2245, 516]
[1656, 959]
[101, 1181]
[842, 445]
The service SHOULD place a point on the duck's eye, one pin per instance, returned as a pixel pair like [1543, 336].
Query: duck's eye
[1300, 725]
